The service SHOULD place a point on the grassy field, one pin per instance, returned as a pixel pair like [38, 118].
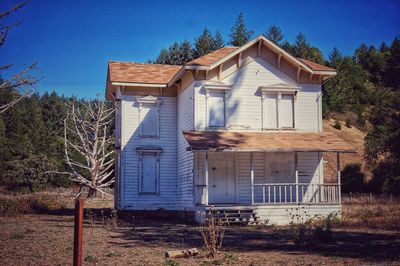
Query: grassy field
[368, 234]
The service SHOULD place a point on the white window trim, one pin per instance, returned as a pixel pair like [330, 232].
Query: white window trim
[153, 151]
[216, 88]
[145, 101]
[288, 90]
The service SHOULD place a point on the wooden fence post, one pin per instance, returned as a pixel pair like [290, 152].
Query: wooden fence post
[78, 232]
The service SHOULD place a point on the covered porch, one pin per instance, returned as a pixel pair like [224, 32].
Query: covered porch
[255, 169]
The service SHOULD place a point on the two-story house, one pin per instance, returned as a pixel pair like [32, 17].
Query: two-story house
[238, 130]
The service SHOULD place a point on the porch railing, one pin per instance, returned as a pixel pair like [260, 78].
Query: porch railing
[284, 193]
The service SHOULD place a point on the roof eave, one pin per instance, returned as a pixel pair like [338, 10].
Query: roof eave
[138, 84]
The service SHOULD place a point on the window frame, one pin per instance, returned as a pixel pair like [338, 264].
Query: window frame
[292, 90]
[149, 102]
[220, 88]
[155, 151]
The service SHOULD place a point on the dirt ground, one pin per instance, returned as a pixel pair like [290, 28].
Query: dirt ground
[48, 240]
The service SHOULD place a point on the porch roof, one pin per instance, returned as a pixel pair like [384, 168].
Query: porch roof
[266, 141]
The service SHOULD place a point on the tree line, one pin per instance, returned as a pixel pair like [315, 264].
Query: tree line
[366, 92]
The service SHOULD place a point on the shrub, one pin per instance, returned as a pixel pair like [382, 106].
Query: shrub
[322, 227]
[348, 122]
[43, 203]
[12, 206]
[212, 233]
[40, 203]
[299, 224]
[337, 125]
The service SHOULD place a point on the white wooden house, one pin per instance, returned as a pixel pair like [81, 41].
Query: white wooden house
[238, 130]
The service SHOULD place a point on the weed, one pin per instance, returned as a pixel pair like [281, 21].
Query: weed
[322, 227]
[337, 125]
[91, 259]
[17, 236]
[212, 233]
[91, 216]
[169, 262]
[299, 224]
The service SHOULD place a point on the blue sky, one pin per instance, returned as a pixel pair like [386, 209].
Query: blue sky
[73, 40]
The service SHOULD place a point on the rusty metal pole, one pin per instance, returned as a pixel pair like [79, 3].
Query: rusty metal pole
[78, 232]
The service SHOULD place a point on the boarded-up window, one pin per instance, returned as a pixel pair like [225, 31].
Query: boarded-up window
[216, 109]
[286, 111]
[270, 105]
[149, 171]
[278, 110]
[149, 120]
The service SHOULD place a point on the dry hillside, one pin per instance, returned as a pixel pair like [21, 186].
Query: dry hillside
[355, 137]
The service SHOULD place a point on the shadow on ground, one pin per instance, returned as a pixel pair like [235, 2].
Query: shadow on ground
[371, 246]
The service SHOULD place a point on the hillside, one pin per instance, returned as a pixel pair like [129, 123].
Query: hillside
[355, 137]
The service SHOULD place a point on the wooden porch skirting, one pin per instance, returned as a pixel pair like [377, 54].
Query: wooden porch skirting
[278, 214]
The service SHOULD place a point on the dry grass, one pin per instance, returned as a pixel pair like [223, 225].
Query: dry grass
[385, 216]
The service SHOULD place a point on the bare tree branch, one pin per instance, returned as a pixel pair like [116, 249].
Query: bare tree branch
[86, 131]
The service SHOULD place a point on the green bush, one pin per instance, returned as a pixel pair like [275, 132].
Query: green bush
[337, 125]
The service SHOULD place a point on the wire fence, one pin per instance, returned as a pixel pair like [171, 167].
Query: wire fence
[369, 198]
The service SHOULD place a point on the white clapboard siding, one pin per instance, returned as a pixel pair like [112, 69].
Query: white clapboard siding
[243, 101]
[185, 158]
[308, 108]
[129, 181]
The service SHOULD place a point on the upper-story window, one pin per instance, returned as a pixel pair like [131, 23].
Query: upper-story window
[216, 105]
[278, 107]
[149, 121]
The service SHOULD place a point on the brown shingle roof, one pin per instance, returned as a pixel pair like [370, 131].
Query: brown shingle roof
[266, 141]
[315, 66]
[212, 57]
[141, 73]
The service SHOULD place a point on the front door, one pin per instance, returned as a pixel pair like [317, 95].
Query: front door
[221, 178]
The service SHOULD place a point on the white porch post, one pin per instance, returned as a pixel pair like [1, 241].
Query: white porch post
[296, 172]
[339, 177]
[205, 188]
[252, 178]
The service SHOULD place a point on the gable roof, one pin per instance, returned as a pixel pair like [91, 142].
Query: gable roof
[306, 65]
[212, 57]
[315, 66]
[125, 72]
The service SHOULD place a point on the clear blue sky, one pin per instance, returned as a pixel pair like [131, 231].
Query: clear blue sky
[73, 40]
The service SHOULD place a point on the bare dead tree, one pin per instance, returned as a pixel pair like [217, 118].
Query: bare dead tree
[19, 84]
[87, 136]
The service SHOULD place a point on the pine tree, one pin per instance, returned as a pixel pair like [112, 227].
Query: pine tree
[240, 35]
[335, 58]
[218, 41]
[204, 44]
[392, 74]
[163, 57]
[174, 54]
[274, 33]
[185, 52]
[301, 47]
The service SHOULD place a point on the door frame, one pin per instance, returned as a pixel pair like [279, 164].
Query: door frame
[233, 178]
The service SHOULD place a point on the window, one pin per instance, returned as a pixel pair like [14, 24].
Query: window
[286, 111]
[149, 168]
[271, 110]
[216, 109]
[278, 109]
[149, 116]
